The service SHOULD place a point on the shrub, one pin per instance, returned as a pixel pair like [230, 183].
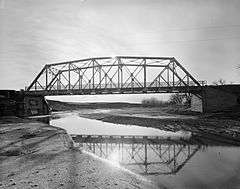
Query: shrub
[180, 99]
[154, 102]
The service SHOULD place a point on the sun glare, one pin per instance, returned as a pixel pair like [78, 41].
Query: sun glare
[113, 56]
[114, 158]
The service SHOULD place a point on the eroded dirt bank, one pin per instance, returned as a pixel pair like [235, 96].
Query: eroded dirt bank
[221, 130]
[220, 126]
[37, 155]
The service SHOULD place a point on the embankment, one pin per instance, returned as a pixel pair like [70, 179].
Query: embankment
[218, 126]
[37, 155]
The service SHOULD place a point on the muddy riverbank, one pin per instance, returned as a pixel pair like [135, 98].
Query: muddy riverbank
[221, 126]
[37, 155]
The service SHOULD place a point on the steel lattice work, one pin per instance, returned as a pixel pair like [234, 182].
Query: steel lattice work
[141, 155]
[119, 74]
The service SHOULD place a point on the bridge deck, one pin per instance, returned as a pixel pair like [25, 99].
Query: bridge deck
[136, 90]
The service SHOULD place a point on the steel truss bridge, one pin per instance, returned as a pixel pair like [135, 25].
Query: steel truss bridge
[114, 75]
[141, 154]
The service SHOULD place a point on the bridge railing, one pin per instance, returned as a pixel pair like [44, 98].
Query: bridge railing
[121, 86]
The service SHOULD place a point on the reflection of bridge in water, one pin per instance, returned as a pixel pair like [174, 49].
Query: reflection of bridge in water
[143, 155]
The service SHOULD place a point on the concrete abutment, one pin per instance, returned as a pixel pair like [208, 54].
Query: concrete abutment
[18, 103]
[215, 98]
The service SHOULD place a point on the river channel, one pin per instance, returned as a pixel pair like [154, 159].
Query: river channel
[164, 158]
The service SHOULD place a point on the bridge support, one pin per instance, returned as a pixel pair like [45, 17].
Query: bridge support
[216, 98]
[35, 105]
[18, 103]
[196, 103]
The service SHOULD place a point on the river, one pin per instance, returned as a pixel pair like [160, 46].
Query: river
[169, 163]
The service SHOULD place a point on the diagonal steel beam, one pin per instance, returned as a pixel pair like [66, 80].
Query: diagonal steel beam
[195, 81]
[38, 76]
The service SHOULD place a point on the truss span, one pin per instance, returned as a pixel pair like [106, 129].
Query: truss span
[121, 74]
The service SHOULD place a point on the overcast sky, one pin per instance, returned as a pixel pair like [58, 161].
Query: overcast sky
[203, 35]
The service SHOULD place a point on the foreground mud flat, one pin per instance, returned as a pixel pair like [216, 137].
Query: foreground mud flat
[37, 155]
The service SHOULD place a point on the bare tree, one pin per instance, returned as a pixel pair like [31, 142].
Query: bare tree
[219, 82]
[184, 99]
[154, 102]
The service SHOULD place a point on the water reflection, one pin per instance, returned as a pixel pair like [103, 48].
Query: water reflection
[74, 124]
[170, 160]
[142, 155]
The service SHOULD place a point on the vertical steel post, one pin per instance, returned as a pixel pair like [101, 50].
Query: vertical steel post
[174, 158]
[118, 73]
[132, 81]
[110, 82]
[145, 158]
[81, 82]
[160, 150]
[169, 152]
[59, 80]
[168, 76]
[144, 75]
[106, 150]
[173, 74]
[105, 80]
[100, 77]
[93, 74]
[46, 77]
[79, 79]
[121, 73]
[69, 77]
[132, 154]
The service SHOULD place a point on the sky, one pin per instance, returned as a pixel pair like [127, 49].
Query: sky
[203, 35]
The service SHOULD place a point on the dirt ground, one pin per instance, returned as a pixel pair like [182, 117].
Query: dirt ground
[36, 155]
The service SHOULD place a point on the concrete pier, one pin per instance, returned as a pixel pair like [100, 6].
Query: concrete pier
[18, 103]
[216, 98]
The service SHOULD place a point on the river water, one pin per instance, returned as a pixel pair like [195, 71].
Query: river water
[169, 163]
